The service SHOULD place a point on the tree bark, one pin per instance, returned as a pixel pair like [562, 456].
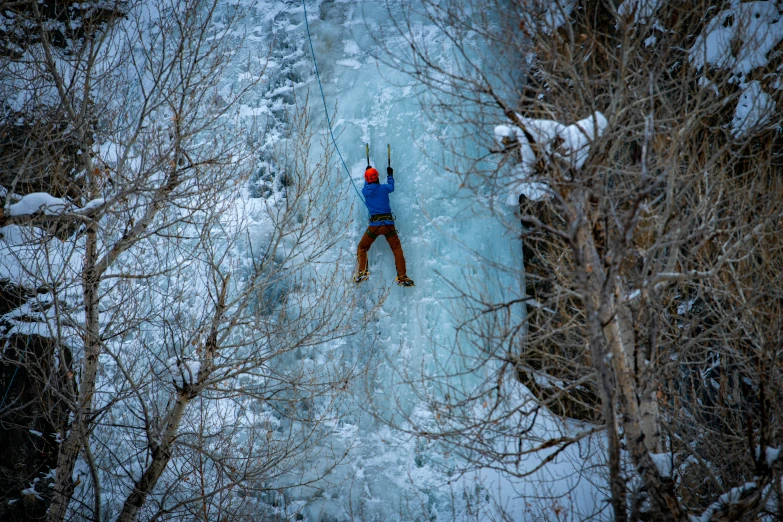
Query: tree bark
[161, 455]
[611, 336]
[92, 273]
[74, 441]
[592, 281]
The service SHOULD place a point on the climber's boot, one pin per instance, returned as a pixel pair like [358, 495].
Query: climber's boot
[404, 280]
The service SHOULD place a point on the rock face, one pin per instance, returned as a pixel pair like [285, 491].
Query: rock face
[29, 416]
[67, 19]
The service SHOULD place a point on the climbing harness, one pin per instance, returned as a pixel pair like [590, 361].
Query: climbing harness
[328, 120]
[381, 217]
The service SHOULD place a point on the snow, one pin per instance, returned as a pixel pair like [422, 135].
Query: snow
[641, 10]
[532, 190]
[756, 26]
[663, 463]
[578, 137]
[556, 13]
[24, 89]
[38, 201]
[31, 257]
[728, 498]
[685, 307]
[13, 234]
[740, 40]
[633, 295]
[353, 64]
[707, 84]
[32, 492]
[574, 147]
[754, 109]
[542, 131]
[772, 455]
[49, 205]
[184, 370]
[95, 203]
[351, 48]
[388, 474]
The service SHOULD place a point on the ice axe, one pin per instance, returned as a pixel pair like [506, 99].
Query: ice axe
[367, 151]
[388, 151]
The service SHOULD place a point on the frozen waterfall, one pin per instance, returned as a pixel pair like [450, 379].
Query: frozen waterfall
[448, 235]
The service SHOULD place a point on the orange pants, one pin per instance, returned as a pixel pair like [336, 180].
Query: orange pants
[369, 238]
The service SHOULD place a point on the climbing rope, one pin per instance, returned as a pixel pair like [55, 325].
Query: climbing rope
[328, 120]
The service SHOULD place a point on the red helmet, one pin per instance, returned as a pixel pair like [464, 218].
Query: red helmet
[371, 175]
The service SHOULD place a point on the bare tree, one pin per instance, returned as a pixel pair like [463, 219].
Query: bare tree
[181, 311]
[641, 139]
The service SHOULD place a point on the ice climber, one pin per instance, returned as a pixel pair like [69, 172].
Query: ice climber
[376, 196]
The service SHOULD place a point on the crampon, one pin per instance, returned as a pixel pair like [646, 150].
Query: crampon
[404, 280]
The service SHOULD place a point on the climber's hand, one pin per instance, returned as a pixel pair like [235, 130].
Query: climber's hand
[389, 171]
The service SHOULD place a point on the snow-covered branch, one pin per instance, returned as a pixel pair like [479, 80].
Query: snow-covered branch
[42, 209]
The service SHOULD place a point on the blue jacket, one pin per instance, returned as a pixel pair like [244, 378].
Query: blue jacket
[377, 198]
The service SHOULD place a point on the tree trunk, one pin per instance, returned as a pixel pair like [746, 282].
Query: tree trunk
[74, 441]
[161, 455]
[612, 337]
[592, 279]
